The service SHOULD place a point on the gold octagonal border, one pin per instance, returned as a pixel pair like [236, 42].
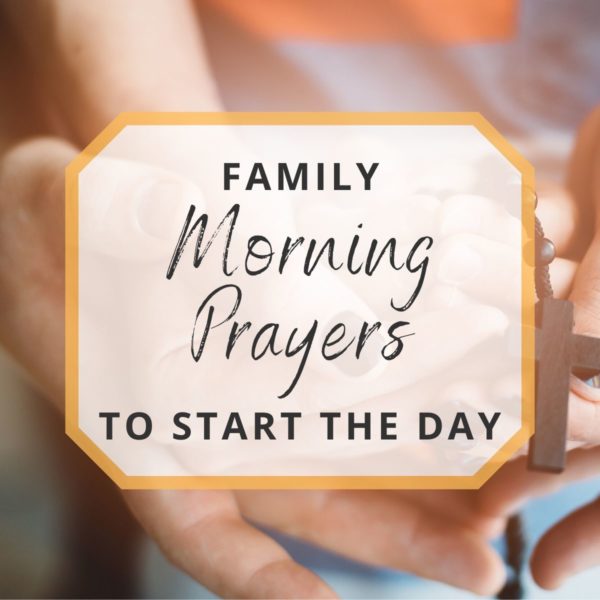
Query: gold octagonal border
[126, 481]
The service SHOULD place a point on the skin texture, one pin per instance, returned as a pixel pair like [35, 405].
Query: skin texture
[73, 66]
[572, 545]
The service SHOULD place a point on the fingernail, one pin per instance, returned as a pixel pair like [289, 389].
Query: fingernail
[594, 382]
[442, 295]
[163, 205]
[460, 263]
[588, 390]
[462, 215]
[370, 355]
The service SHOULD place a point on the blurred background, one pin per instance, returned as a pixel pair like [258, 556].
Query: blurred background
[531, 67]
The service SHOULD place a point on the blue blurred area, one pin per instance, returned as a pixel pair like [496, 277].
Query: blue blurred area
[354, 580]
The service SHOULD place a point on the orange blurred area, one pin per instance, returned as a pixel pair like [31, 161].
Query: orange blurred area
[440, 21]
[530, 67]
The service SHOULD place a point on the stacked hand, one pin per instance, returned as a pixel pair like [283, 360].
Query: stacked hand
[572, 220]
[73, 67]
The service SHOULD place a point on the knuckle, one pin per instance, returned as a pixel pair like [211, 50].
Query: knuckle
[28, 170]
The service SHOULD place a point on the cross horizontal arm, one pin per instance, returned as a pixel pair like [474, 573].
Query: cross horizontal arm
[553, 348]
[585, 356]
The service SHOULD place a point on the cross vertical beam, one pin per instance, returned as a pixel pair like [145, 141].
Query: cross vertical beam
[547, 451]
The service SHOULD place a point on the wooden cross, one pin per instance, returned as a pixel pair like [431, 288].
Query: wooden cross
[559, 352]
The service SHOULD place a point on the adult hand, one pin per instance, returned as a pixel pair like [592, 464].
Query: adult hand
[439, 536]
[80, 64]
[572, 545]
[584, 182]
[571, 219]
[573, 222]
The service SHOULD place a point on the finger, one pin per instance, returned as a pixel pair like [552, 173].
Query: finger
[133, 211]
[481, 321]
[568, 548]
[487, 269]
[514, 484]
[585, 402]
[379, 529]
[98, 59]
[586, 291]
[470, 213]
[558, 213]
[32, 280]
[562, 275]
[481, 267]
[460, 506]
[204, 534]
[584, 413]
[482, 237]
[583, 172]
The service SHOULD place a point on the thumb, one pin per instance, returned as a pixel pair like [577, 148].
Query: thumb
[586, 288]
[586, 291]
[32, 265]
[584, 409]
[132, 210]
[584, 418]
[584, 180]
[97, 59]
